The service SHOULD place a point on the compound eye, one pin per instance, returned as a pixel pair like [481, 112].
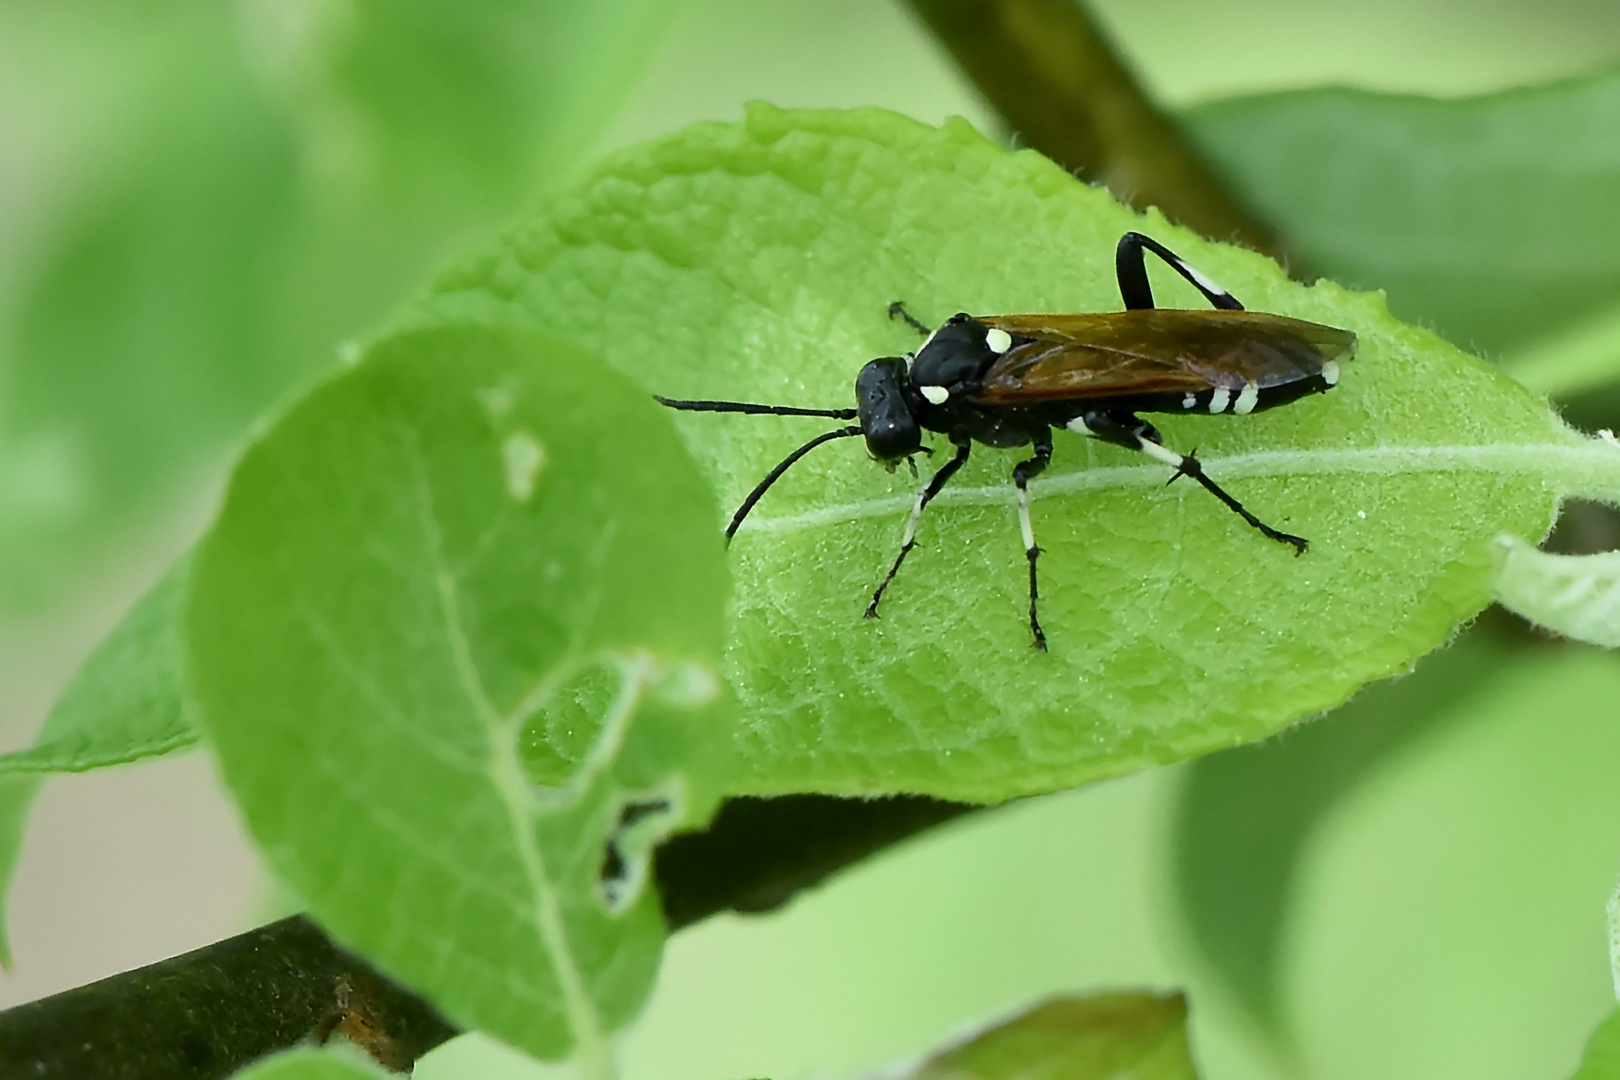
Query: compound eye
[891, 431]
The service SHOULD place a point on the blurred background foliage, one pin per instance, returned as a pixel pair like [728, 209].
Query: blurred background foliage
[202, 204]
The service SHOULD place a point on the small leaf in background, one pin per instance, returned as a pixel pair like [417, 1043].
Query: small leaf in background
[482, 99]
[16, 797]
[310, 1064]
[126, 702]
[1577, 596]
[260, 188]
[756, 261]
[1602, 1060]
[138, 334]
[1106, 1037]
[427, 567]
[1574, 360]
[1489, 218]
[123, 705]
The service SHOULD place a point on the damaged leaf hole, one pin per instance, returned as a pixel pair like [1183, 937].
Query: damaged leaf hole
[627, 855]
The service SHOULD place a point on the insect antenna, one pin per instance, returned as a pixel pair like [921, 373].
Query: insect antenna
[786, 464]
[756, 410]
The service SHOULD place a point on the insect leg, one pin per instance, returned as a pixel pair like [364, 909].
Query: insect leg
[1127, 430]
[1131, 270]
[1022, 474]
[898, 308]
[939, 480]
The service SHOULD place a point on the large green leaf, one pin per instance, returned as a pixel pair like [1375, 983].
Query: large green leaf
[755, 261]
[456, 642]
[1486, 217]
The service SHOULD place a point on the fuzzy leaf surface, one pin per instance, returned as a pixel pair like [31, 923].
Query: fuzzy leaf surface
[457, 647]
[755, 261]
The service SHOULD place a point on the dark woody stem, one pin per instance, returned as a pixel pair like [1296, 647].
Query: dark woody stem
[1054, 77]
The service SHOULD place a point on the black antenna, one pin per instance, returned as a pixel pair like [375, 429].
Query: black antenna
[757, 410]
[787, 463]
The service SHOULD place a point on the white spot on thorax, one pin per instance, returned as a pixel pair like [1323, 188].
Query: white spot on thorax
[1219, 399]
[936, 395]
[997, 340]
[1189, 401]
[1330, 373]
[1247, 399]
[521, 458]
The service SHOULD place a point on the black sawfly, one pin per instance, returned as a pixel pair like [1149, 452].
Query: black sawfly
[1008, 380]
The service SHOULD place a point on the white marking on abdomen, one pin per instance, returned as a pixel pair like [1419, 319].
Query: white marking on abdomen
[1330, 373]
[1189, 401]
[1247, 399]
[1219, 399]
[936, 395]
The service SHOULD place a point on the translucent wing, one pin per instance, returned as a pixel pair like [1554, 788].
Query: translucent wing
[1066, 357]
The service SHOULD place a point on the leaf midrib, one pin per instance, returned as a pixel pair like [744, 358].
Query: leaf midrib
[1572, 465]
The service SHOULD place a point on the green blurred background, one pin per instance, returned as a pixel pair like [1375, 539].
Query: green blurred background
[204, 205]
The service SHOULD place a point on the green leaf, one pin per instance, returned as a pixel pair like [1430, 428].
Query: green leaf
[756, 261]
[1577, 596]
[1105, 1037]
[1574, 360]
[307, 1063]
[1472, 862]
[255, 190]
[123, 705]
[138, 335]
[484, 98]
[1244, 817]
[126, 702]
[1483, 217]
[16, 799]
[1602, 1060]
[435, 568]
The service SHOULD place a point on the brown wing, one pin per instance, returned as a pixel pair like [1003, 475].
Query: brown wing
[1063, 357]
